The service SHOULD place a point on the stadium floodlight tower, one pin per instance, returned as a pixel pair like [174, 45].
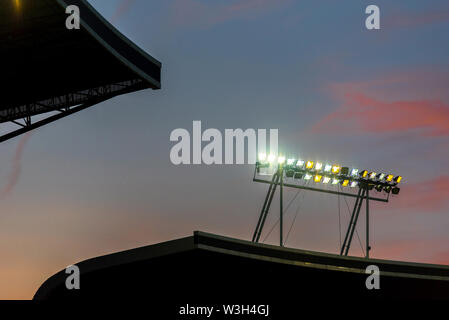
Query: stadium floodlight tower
[339, 180]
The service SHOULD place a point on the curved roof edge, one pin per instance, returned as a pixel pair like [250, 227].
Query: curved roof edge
[262, 252]
[115, 42]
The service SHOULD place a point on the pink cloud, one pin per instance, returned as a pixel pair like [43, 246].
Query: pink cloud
[397, 102]
[408, 19]
[122, 8]
[14, 175]
[429, 195]
[206, 14]
[362, 113]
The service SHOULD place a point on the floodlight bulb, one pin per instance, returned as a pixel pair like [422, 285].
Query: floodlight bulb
[281, 159]
[398, 179]
[290, 161]
[372, 175]
[364, 173]
[336, 169]
[307, 176]
[309, 165]
[317, 178]
[335, 181]
[354, 172]
[327, 168]
[381, 176]
[271, 158]
[389, 178]
[326, 180]
[262, 156]
[318, 166]
[354, 184]
[345, 182]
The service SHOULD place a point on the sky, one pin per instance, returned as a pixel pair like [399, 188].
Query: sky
[101, 180]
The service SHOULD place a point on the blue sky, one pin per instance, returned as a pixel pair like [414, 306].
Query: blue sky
[102, 181]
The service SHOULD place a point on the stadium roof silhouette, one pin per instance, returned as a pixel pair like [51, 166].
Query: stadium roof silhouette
[49, 68]
[206, 267]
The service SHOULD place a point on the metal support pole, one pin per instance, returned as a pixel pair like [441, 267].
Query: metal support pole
[267, 207]
[367, 224]
[281, 209]
[354, 224]
[263, 207]
[351, 221]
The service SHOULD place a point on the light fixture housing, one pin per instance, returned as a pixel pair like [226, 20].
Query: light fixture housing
[395, 190]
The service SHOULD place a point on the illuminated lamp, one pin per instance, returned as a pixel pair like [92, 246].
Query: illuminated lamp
[364, 173]
[336, 169]
[309, 164]
[398, 179]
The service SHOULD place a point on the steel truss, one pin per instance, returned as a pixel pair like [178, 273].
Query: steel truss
[65, 105]
[277, 180]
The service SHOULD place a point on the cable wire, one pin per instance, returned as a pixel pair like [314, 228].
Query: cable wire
[357, 234]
